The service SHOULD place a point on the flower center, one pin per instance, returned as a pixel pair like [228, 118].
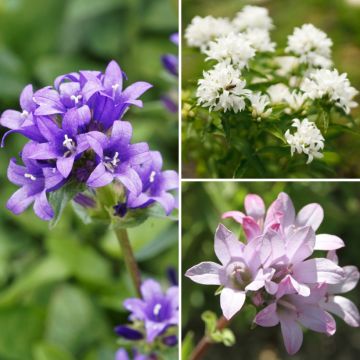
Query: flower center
[157, 309]
[70, 145]
[24, 114]
[76, 98]
[112, 163]
[115, 86]
[152, 176]
[239, 274]
[30, 176]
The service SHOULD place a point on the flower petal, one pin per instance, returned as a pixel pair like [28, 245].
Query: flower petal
[42, 208]
[291, 332]
[16, 173]
[310, 215]
[267, 317]
[65, 165]
[26, 98]
[231, 301]
[317, 320]
[11, 119]
[99, 177]
[289, 285]
[206, 273]
[300, 244]
[150, 289]
[129, 178]
[254, 206]
[19, 201]
[251, 228]
[122, 132]
[235, 215]
[328, 242]
[351, 278]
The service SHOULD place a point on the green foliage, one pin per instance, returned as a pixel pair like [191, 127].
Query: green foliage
[224, 336]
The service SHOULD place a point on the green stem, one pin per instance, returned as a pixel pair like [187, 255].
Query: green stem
[129, 258]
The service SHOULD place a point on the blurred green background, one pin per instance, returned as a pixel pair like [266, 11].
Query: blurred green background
[338, 18]
[341, 203]
[61, 291]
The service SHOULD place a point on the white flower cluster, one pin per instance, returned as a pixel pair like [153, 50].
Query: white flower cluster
[337, 88]
[307, 139]
[311, 45]
[302, 74]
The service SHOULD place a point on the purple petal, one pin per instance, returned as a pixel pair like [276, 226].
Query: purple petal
[153, 329]
[121, 355]
[226, 244]
[19, 201]
[344, 308]
[235, 215]
[136, 307]
[157, 161]
[137, 154]
[260, 278]
[113, 76]
[167, 201]
[129, 178]
[122, 132]
[282, 209]
[70, 122]
[91, 87]
[150, 289]
[317, 271]
[16, 173]
[254, 206]
[310, 215]
[351, 278]
[175, 38]
[53, 178]
[251, 228]
[289, 285]
[11, 119]
[135, 90]
[97, 142]
[49, 102]
[291, 332]
[42, 207]
[99, 177]
[206, 273]
[170, 180]
[328, 242]
[43, 151]
[128, 333]
[26, 99]
[170, 63]
[267, 317]
[300, 244]
[65, 165]
[49, 130]
[317, 320]
[231, 301]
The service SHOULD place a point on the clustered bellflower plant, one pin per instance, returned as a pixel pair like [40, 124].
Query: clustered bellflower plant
[80, 149]
[262, 99]
[275, 269]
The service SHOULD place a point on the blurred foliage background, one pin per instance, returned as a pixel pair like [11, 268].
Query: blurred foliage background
[61, 291]
[339, 19]
[341, 203]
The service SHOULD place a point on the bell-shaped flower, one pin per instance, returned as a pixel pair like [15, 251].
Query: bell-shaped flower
[117, 158]
[240, 270]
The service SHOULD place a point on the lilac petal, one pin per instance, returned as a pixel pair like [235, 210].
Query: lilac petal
[231, 301]
[97, 142]
[11, 119]
[206, 273]
[260, 278]
[344, 308]
[19, 201]
[328, 242]
[226, 244]
[135, 90]
[170, 180]
[291, 332]
[175, 38]
[113, 76]
[267, 317]
[26, 99]
[310, 215]
[82, 143]
[150, 289]
[70, 122]
[235, 215]
[91, 87]
[121, 355]
[251, 228]
[289, 285]
[83, 116]
[53, 178]
[71, 76]
[99, 177]
[136, 307]
[16, 173]
[48, 129]
[42, 208]
[273, 248]
[122, 132]
[317, 271]
[300, 244]
[331, 255]
[157, 161]
[43, 151]
[254, 206]
[317, 320]
[271, 287]
[134, 201]
[170, 63]
[351, 278]
[65, 165]
[282, 209]
[167, 201]
[129, 178]
[137, 153]
[153, 329]
[49, 102]
[173, 295]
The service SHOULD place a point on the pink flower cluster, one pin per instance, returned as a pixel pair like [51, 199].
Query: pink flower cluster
[274, 269]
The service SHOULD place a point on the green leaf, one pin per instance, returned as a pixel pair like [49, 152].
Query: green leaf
[48, 351]
[187, 346]
[210, 320]
[228, 337]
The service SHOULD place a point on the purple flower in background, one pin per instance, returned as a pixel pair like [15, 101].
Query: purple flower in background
[77, 134]
[275, 270]
[35, 182]
[122, 354]
[156, 309]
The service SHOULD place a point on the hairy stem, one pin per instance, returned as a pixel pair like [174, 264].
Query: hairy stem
[204, 344]
[129, 258]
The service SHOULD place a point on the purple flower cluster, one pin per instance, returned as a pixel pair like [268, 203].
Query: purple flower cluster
[76, 134]
[153, 316]
[274, 269]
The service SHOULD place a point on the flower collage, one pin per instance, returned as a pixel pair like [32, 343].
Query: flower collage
[179, 180]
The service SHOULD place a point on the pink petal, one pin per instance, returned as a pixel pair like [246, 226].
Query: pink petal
[281, 206]
[343, 308]
[300, 244]
[251, 228]
[231, 301]
[260, 278]
[351, 278]
[292, 334]
[235, 215]
[328, 242]
[289, 285]
[226, 244]
[317, 271]
[206, 273]
[267, 317]
[254, 206]
[310, 215]
[317, 320]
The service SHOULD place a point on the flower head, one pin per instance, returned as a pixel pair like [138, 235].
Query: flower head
[260, 105]
[307, 139]
[253, 17]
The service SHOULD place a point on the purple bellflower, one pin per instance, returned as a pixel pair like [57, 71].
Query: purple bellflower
[156, 309]
[276, 271]
[122, 354]
[77, 135]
